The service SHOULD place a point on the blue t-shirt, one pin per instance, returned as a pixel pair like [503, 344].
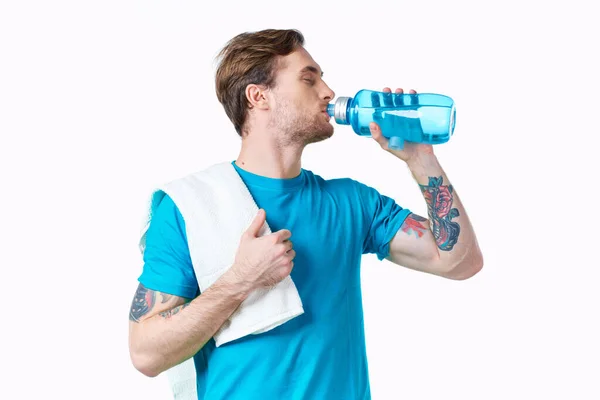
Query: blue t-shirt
[320, 354]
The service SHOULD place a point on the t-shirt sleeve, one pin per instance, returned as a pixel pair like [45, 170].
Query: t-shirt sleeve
[383, 218]
[168, 266]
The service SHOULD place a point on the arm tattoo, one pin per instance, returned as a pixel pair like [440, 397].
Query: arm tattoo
[143, 301]
[439, 207]
[412, 223]
[167, 314]
[165, 297]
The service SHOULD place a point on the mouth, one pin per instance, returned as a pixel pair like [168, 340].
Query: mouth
[326, 114]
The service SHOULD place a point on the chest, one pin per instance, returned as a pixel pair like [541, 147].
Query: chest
[325, 234]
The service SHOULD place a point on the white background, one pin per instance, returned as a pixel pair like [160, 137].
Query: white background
[101, 101]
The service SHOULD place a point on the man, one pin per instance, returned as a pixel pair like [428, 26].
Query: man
[275, 95]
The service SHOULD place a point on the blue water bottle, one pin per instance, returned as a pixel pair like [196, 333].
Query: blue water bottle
[421, 118]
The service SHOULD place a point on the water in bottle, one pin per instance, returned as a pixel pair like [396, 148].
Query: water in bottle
[421, 118]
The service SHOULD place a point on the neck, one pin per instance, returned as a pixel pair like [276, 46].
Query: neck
[270, 158]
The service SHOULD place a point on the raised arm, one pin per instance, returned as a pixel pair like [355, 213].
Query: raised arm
[445, 243]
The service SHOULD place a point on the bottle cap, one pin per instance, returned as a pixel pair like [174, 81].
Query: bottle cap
[339, 110]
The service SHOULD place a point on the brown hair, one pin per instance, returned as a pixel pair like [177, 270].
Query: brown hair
[249, 58]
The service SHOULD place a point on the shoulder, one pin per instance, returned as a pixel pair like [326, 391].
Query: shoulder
[345, 190]
[202, 174]
[185, 189]
[166, 212]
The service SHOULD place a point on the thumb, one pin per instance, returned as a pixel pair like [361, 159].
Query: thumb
[377, 135]
[257, 223]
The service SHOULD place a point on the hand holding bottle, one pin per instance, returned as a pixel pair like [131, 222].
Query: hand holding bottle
[410, 150]
[426, 118]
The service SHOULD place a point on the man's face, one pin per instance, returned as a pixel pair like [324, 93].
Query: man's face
[299, 100]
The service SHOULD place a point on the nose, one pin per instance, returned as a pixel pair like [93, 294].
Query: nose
[328, 93]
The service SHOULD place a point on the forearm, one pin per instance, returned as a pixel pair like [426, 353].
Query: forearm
[171, 337]
[449, 224]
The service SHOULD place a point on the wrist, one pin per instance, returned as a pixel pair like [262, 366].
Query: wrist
[424, 165]
[235, 285]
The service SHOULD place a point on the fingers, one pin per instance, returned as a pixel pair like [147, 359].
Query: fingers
[377, 135]
[398, 99]
[257, 223]
[399, 90]
[283, 235]
[390, 101]
[287, 256]
[284, 249]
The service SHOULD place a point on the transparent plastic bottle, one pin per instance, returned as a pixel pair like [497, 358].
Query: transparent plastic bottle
[421, 118]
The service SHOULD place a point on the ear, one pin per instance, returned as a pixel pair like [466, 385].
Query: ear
[257, 96]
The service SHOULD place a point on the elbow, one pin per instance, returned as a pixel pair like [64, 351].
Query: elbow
[466, 269]
[144, 364]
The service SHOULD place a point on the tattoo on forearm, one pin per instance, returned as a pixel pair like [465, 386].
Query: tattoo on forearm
[413, 223]
[439, 207]
[143, 301]
[169, 313]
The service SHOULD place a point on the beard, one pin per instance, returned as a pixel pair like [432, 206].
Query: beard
[299, 128]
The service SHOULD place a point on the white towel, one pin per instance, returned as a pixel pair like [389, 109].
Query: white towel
[217, 208]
